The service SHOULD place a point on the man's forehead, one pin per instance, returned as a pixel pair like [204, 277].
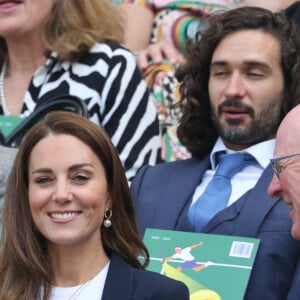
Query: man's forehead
[248, 39]
[288, 134]
[249, 47]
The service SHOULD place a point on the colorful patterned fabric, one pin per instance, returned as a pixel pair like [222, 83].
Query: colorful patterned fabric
[164, 86]
[175, 22]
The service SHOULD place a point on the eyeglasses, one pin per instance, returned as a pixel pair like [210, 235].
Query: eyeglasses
[277, 167]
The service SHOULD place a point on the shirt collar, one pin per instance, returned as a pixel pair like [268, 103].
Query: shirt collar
[262, 152]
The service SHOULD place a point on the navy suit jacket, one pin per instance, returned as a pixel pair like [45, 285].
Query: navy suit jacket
[127, 283]
[163, 194]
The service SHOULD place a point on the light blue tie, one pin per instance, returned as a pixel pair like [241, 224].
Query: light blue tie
[218, 191]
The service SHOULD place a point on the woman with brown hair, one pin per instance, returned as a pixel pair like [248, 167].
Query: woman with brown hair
[69, 228]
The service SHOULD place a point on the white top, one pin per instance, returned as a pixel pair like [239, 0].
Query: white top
[245, 179]
[91, 290]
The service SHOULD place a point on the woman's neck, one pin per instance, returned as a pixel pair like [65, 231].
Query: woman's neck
[27, 56]
[21, 61]
[75, 264]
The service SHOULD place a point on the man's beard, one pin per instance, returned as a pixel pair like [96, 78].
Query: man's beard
[263, 126]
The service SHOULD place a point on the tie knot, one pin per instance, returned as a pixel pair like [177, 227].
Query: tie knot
[230, 164]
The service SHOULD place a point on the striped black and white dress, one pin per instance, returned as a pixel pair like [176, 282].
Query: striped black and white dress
[116, 96]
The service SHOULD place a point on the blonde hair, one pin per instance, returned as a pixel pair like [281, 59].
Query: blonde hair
[74, 26]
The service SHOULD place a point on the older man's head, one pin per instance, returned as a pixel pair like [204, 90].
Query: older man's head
[286, 165]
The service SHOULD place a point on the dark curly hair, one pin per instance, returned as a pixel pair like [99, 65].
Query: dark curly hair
[196, 130]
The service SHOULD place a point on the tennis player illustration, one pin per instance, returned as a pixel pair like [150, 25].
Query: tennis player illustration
[188, 260]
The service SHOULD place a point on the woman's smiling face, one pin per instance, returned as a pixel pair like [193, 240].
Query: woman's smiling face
[68, 190]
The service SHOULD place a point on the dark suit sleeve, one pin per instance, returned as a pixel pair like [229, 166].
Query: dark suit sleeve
[145, 198]
[128, 283]
[294, 291]
[136, 183]
[159, 287]
[162, 194]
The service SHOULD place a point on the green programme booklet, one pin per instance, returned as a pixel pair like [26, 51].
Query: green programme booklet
[214, 267]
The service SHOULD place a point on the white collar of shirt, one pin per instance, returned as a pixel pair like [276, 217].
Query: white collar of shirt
[262, 152]
[247, 178]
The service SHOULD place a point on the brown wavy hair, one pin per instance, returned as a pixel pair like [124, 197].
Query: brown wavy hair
[196, 130]
[74, 26]
[24, 264]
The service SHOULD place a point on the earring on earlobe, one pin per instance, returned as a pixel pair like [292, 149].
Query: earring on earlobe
[107, 218]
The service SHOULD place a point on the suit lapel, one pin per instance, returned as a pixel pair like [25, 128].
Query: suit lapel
[119, 281]
[254, 205]
[224, 217]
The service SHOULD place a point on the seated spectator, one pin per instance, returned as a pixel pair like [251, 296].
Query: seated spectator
[72, 47]
[286, 167]
[240, 79]
[167, 26]
[286, 174]
[69, 228]
[160, 46]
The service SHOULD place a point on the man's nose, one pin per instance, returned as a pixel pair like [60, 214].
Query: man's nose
[274, 189]
[235, 86]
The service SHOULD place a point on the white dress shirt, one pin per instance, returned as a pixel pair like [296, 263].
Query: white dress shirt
[245, 179]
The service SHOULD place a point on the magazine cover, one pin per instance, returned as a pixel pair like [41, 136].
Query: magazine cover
[214, 267]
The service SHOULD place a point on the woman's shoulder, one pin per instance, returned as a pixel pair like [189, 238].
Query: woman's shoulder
[110, 53]
[110, 47]
[125, 279]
